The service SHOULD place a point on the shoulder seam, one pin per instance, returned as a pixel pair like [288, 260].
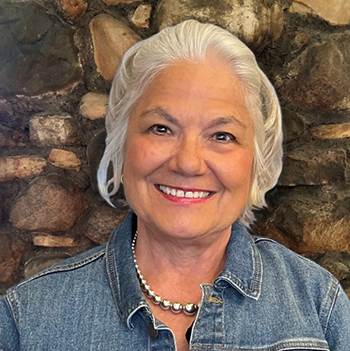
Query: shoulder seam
[307, 260]
[260, 238]
[63, 268]
[12, 304]
[332, 293]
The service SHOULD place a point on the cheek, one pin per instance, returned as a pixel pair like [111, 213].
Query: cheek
[141, 156]
[237, 171]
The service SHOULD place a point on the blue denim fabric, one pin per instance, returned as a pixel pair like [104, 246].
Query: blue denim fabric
[267, 299]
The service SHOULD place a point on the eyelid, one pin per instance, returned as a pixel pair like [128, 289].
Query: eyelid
[232, 136]
[153, 126]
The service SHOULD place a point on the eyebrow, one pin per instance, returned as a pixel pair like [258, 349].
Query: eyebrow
[216, 122]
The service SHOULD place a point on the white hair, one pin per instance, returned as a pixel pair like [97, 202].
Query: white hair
[191, 40]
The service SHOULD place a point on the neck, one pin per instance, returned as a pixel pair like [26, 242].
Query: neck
[177, 266]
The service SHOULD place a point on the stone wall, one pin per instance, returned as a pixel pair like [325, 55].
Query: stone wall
[57, 59]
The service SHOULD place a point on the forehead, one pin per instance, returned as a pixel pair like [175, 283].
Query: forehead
[207, 88]
[208, 78]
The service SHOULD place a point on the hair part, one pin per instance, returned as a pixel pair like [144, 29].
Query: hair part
[191, 40]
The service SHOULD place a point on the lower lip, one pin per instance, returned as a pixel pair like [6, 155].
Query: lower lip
[184, 200]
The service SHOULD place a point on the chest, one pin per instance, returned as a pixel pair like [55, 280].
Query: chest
[223, 323]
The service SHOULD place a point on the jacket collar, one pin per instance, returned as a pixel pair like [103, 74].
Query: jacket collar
[243, 268]
[121, 271]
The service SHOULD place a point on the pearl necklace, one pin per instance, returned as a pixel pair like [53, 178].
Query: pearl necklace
[175, 307]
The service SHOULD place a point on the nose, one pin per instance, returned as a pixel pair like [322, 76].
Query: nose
[188, 158]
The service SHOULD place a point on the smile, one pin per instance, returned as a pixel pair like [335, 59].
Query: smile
[184, 194]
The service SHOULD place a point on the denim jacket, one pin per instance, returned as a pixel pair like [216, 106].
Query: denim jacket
[266, 299]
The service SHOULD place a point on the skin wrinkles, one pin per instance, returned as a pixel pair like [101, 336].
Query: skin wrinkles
[177, 137]
[161, 111]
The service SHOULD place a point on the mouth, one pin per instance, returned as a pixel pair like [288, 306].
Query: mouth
[182, 193]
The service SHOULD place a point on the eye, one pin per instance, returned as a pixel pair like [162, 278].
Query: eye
[224, 137]
[159, 129]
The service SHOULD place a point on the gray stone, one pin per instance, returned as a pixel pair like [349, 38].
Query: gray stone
[10, 138]
[255, 22]
[310, 165]
[37, 54]
[48, 204]
[53, 130]
[318, 78]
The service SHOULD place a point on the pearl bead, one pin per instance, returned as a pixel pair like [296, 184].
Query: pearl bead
[157, 299]
[165, 304]
[150, 293]
[176, 307]
[190, 309]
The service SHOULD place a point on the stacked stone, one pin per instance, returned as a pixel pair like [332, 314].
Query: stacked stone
[58, 60]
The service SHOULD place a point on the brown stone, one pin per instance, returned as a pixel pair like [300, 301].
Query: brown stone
[52, 130]
[94, 152]
[47, 205]
[47, 240]
[119, 2]
[11, 252]
[332, 131]
[256, 22]
[42, 261]
[347, 291]
[310, 220]
[294, 125]
[336, 12]
[309, 165]
[111, 38]
[73, 8]
[94, 106]
[337, 263]
[20, 166]
[102, 220]
[64, 159]
[141, 16]
[318, 78]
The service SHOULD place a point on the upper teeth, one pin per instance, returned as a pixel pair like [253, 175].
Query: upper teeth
[181, 193]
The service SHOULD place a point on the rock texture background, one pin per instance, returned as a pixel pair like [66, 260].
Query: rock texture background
[57, 60]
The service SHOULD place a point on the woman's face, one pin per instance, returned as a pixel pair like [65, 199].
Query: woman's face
[189, 151]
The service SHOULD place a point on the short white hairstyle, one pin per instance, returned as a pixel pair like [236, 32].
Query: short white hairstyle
[191, 40]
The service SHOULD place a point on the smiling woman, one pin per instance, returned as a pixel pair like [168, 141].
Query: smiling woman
[194, 131]
[251, 98]
[189, 148]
